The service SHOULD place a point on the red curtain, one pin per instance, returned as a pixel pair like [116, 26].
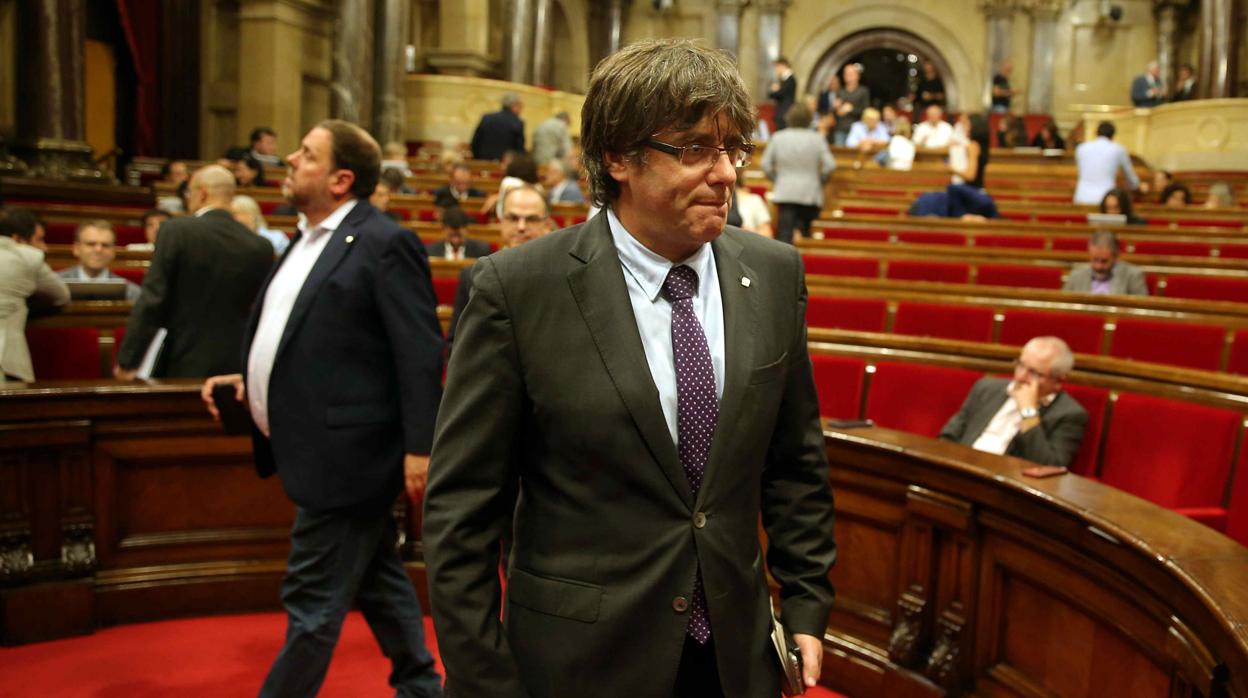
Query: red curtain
[141, 22]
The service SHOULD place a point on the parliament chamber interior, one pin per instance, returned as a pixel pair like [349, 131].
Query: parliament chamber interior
[123, 504]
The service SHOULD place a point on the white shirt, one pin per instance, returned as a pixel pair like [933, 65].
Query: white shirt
[279, 300]
[1099, 161]
[644, 274]
[753, 210]
[900, 153]
[928, 136]
[1004, 425]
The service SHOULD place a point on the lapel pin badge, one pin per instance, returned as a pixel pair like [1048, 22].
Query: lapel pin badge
[745, 281]
[350, 239]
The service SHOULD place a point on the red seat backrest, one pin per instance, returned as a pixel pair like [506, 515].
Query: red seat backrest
[966, 322]
[1094, 401]
[858, 234]
[444, 287]
[1173, 343]
[1019, 276]
[1238, 362]
[1082, 333]
[1237, 512]
[915, 270]
[838, 379]
[59, 233]
[1172, 453]
[1233, 251]
[1070, 244]
[1209, 288]
[858, 314]
[1178, 249]
[841, 266]
[1061, 218]
[1028, 242]
[129, 235]
[923, 237]
[915, 397]
[64, 353]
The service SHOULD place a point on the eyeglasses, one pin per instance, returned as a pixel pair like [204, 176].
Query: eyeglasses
[527, 220]
[697, 155]
[1031, 372]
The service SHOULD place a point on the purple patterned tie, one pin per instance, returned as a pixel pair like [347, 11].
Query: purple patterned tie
[697, 408]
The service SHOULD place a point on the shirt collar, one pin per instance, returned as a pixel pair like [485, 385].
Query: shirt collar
[331, 222]
[648, 268]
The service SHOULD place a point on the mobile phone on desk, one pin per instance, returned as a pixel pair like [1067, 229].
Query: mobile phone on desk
[235, 416]
[850, 423]
[1044, 470]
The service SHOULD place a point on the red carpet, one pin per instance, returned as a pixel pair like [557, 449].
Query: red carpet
[215, 657]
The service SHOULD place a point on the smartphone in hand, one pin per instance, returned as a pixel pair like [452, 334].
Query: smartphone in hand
[235, 416]
[1044, 471]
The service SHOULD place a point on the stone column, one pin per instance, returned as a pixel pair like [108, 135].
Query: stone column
[542, 38]
[49, 82]
[1044, 14]
[520, 41]
[1168, 15]
[1219, 52]
[463, 39]
[728, 25]
[354, 39]
[770, 28]
[390, 68]
[1000, 18]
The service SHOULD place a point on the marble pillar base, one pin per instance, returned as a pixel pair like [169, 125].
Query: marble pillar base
[62, 160]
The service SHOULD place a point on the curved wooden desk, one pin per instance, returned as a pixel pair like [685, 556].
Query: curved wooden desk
[958, 573]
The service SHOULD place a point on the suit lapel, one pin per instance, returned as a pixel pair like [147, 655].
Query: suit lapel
[335, 250]
[741, 321]
[601, 295]
[992, 404]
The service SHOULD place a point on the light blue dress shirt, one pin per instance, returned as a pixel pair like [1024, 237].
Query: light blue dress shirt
[1099, 161]
[644, 274]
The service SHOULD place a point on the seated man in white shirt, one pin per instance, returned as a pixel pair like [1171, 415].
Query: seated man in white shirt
[1028, 417]
[455, 243]
[934, 133]
[95, 248]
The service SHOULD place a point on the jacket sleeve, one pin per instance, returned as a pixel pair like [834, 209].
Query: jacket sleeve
[1136, 283]
[1052, 444]
[50, 289]
[796, 497]
[408, 311]
[151, 310]
[955, 428]
[473, 481]
[769, 160]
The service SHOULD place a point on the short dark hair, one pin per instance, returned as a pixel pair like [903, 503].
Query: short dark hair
[260, 132]
[235, 153]
[154, 213]
[454, 217]
[252, 163]
[19, 223]
[798, 116]
[96, 223]
[354, 150]
[394, 178]
[649, 86]
[166, 168]
[1124, 202]
[1106, 129]
[522, 166]
[1177, 186]
[979, 132]
[782, 61]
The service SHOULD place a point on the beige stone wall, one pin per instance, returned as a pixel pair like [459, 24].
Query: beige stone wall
[441, 107]
[1096, 60]
[1202, 135]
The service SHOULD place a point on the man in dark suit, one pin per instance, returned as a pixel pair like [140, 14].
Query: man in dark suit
[632, 394]
[1028, 417]
[1148, 90]
[204, 277]
[455, 243]
[343, 365]
[783, 91]
[525, 217]
[458, 187]
[1184, 84]
[499, 131]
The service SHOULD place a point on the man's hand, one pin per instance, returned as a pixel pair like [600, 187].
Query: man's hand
[205, 394]
[124, 374]
[812, 657]
[415, 474]
[1027, 394]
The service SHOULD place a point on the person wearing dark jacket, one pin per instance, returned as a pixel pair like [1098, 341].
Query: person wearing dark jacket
[499, 131]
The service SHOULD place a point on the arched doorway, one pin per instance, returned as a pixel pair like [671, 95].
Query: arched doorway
[886, 54]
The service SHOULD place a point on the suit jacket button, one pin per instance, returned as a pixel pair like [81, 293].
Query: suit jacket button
[680, 604]
[699, 520]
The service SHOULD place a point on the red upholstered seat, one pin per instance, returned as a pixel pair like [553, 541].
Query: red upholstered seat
[1209, 223]
[1094, 401]
[64, 353]
[1237, 514]
[134, 274]
[1061, 218]
[915, 397]
[444, 287]
[923, 237]
[1028, 242]
[1019, 276]
[1173, 343]
[839, 380]
[1016, 216]
[129, 234]
[267, 207]
[1238, 361]
[1082, 333]
[915, 270]
[870, 211]
[1209, 288]
[1233, 251]
[841, 266]
[859, 314]
[402, 212]
[1172, 453]
[1070, 244]
[59, 233]
[1174, 249]
[858, 234]
[965, 322]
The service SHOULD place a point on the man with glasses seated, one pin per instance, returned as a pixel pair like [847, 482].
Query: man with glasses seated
[630, 396]
[1028, 416]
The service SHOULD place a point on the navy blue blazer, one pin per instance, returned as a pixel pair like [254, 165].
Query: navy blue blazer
[357, 376]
